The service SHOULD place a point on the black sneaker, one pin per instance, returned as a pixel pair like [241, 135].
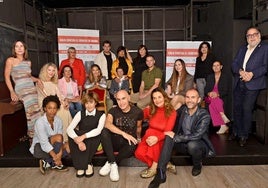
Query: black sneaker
[60, 168]
[196, 170]
[43, 166]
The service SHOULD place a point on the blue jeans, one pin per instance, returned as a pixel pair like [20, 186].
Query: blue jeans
[197, 149]
[244, 102]
[75, 107]
[39, 153]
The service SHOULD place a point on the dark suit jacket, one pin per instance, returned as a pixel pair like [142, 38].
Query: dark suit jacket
[222, 86]
[257, 63]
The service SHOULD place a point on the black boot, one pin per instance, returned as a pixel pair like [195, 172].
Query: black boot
[159, 178]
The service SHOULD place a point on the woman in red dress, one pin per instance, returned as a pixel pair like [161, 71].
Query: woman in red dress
[161, 116]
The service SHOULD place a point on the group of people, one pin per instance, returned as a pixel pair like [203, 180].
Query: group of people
[63, 119]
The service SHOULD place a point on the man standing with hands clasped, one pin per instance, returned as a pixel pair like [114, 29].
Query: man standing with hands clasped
[249, 68]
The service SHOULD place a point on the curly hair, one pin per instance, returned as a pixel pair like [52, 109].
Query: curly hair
[175, 76]
[25, 55]
[51, 98]
[90, 96]
[43, 73]
[168, 107]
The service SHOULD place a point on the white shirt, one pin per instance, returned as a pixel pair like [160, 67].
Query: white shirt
[247, 56]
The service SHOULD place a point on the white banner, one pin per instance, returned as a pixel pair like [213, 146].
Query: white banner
[185, 50]
[85, 41]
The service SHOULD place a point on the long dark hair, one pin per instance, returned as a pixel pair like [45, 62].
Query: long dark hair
[200, 46]
[140, 47]
[91, 76]
[174, 77]
[167, 105]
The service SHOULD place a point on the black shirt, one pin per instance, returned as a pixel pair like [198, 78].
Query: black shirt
[109, 65]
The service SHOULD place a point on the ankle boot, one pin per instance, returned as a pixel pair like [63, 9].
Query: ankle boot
[159, 178]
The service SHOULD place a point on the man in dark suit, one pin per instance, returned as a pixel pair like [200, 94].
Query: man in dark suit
[249, 68]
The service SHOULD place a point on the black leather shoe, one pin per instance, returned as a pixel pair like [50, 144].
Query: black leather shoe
[196, 170]
[232, 137]
[242, 142]
[159, 178]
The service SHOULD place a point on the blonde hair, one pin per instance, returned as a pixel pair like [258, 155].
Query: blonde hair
[43, 73]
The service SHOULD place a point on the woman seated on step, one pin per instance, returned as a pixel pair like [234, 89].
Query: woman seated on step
[179, 82]
[216, 92]
[84, 135]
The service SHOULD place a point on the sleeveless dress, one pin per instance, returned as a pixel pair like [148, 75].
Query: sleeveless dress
[26, 91]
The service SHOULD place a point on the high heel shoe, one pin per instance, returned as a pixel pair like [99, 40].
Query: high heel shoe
[224, 129]
[224, 118]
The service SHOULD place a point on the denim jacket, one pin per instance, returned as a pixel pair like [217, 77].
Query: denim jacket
[199, 129]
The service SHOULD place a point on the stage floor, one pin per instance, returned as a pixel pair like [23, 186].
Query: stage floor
[228, 153]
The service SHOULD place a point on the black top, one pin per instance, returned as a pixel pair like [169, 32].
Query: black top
[203, 68]
[123, 64]
[223, 86]
[109, 65]
[127, 122]
[88, 123]
[139, 65]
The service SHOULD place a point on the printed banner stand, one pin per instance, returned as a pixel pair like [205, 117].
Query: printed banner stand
[185, 50]
[85, 41]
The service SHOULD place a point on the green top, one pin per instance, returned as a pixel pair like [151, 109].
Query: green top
[149, 77]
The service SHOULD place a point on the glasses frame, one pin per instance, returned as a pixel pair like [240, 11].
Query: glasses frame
[253, 35]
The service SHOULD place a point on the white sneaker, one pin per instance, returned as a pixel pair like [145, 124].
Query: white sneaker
[114, 175]
[105, 170]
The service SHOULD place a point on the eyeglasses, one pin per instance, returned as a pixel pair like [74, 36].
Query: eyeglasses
[252, 35]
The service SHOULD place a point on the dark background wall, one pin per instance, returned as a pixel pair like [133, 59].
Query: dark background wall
[223, 22]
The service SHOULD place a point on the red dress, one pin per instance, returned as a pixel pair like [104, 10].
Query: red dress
[79, 71]
[158, 124]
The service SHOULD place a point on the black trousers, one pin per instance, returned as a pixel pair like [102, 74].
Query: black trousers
[81, 159]
[197, 149]
[116, 143]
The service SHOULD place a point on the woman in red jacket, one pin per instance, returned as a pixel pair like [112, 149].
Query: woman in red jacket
[161, 116]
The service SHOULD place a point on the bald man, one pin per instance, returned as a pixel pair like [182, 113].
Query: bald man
[190, 136]
[121, 134]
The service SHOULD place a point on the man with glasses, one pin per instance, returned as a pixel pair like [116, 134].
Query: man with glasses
[79, 72]
[249, 68]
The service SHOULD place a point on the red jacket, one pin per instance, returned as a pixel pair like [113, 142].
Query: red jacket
[79, 71]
